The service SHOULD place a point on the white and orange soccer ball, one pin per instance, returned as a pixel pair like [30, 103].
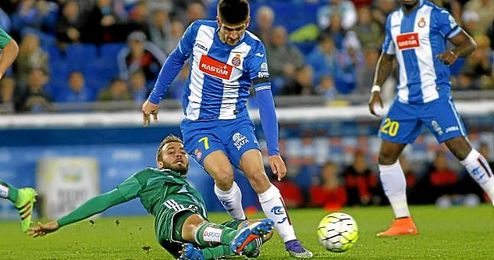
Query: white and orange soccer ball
[337, 232]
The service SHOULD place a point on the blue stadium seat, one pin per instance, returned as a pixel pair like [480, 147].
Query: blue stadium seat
[100, 73]
[109, 51]
[80, 55]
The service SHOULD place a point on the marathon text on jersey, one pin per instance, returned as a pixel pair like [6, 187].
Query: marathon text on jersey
[215, 68]
[407, 41]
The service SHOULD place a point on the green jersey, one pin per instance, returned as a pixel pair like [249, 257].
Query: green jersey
[155, 188]
[4, 39]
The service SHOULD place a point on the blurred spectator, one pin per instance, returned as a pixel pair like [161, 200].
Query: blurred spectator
[7, 88]
[366, 70]
[349, 59]
[283, 58]
[479, 63]
[140, 55]
[195, 11]
[470, 21]
[159, 28]
[326, 88]
[336, 31]
[33, 97]
[31, 56]
[485, 10]
[464, 81]
[381, 10]
[439, 180]
[323, 58]
[343, 8]
[102, 21]
[77, 91]
[264, 24]
[330, 193]
[70, 23]
[117, 91]
[177, 29]
[361, 183]
[302, 85]
[138, 17]
[367, 30]
[138, 88]
[35, 14]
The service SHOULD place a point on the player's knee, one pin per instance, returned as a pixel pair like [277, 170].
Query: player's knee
[387, 158]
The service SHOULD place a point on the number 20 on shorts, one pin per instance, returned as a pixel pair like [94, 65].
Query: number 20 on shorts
[390, 127]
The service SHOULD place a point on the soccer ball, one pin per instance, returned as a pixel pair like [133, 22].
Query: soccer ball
[337, 232]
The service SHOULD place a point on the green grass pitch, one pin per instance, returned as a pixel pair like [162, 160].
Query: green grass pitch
[455, 233]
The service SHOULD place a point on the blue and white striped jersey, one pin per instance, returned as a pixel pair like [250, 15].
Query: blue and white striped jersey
[221, 75]
[416, 39]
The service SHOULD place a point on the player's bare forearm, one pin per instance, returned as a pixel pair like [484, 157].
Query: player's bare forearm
[383, 69]
[464, 44]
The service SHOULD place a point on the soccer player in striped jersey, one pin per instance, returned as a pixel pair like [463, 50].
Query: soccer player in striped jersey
[416, 35]
[180, 215]
[23, 199]
[226, 61]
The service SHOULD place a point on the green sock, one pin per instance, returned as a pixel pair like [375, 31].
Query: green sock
[216, 252]
[210, 234]
[8, 191]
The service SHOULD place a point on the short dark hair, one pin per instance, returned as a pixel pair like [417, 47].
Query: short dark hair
[169, 139]
[233, 11]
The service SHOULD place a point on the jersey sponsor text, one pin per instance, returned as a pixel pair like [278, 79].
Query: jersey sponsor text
[408, 41]
[215, 68]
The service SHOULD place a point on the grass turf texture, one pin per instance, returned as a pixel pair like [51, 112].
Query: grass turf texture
[455, 233]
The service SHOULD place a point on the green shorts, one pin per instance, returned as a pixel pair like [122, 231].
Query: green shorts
[168, 227]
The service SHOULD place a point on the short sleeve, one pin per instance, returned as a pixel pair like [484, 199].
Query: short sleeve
[446, 24]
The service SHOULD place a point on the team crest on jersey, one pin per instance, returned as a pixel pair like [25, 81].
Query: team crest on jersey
[236, 61]
[422, 22]
[408, 41]
[215, 68]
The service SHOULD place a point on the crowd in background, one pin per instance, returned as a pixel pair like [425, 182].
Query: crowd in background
[333, 185]
[112, 50]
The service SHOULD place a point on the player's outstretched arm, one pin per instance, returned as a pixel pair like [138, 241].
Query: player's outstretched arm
[43, 229]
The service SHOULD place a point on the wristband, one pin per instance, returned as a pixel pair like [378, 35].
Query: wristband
[376, 88]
